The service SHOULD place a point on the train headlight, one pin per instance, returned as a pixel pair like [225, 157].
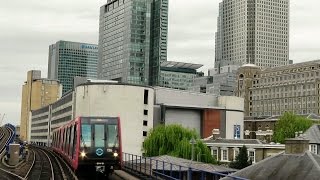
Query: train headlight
[115, 154]
[83, 154]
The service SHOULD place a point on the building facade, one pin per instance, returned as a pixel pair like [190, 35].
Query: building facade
[100, 99]
[252, 32]
[220, 81]
[69, 59]
[133, 40]
[226, 150]
[36, 93]
[178, 75]
[272, 91]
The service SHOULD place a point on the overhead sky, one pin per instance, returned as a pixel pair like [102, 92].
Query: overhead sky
[27, 28]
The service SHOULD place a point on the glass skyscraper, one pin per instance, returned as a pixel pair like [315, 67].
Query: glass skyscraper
[69, 59]
[133, 40]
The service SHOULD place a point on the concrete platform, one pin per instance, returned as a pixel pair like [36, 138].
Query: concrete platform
[125, 175]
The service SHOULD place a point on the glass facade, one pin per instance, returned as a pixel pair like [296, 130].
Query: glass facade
[70, 59]
[125, 39]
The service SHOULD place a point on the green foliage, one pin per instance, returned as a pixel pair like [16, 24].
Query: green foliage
[288, 124]
[241, 159]
[174, 140]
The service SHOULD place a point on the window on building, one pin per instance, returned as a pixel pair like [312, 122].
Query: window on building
[146, 93]
[224, 154]
[145, 133]
[236, 130]
[145, 123]
[313, 148]
[214, 153]
[145, 112]
[235, 153]
[251, 155]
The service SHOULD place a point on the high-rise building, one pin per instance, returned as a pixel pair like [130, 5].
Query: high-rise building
[133, 40]
[252, 32]
[36, 93]
[69, 59]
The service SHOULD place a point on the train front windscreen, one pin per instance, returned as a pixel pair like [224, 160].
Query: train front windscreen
[99, 138]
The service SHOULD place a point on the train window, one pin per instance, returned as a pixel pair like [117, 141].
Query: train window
[86, 135]
[74, 140]
[68, 142]
[99, 135]
[71, 140]
[113, 136]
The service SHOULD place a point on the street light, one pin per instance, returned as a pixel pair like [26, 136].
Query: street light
[193, 141]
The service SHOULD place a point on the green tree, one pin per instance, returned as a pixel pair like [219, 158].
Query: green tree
[288, 124]
[174, 140]
[242, 160]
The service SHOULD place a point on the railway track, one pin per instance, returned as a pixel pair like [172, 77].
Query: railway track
[42, 168]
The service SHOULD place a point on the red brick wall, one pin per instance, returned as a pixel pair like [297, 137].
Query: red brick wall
[211, 120]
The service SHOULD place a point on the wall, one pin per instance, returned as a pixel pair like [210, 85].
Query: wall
[127, 102]
[211, 120]
[184, 98]
[187, 118]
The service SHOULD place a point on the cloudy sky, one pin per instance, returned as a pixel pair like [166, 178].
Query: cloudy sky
[27, 28]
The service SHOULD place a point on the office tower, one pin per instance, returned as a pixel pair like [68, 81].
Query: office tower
[69, 59]
[252, 32]
[133, 40]
[36, 93]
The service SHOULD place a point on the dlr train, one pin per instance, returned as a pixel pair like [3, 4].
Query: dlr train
[90, 143]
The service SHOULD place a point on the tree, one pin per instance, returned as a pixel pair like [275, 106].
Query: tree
[242, 160]
[174, 140]
[288, 124]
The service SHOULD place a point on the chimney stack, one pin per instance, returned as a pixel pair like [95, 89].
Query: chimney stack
[297, 145]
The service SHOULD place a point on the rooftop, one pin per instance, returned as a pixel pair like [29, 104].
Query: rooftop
[284, 166]
[313, 134]
[173, 64]
[233, 141]
[185, 163]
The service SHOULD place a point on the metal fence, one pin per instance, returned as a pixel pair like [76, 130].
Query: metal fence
[149, 168]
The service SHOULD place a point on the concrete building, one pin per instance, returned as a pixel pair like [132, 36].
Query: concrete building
[252, 32]
[272, 91]
[220, 81]
[100, 99]
[69, 59]
[36, 93]
[178, 75]
[140, 112]
[226, 150]
[202, 112]
[133, 40]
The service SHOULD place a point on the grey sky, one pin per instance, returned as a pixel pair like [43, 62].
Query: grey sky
[27, 28]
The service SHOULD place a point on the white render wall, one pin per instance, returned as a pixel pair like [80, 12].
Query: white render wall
[124, 101]
[234, 114]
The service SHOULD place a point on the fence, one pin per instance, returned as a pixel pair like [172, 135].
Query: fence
[151, 168]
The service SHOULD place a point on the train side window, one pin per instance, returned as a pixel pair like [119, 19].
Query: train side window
[71, 140]
[65, 140]
[74, 140]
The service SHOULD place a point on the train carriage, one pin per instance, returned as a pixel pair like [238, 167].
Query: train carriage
[90, 142]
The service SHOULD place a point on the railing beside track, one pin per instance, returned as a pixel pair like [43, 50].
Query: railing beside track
[150, 168]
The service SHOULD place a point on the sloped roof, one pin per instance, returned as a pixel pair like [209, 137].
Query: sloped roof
[180, 164]
[284, 166]
[233, 141]
[313, 134]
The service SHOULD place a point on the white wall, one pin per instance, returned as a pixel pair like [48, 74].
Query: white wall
[187, 118]
[124, 101]
[234, 118]
[231, 102]
[184, 98]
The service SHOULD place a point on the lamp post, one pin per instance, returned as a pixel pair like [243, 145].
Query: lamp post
[192, 151]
